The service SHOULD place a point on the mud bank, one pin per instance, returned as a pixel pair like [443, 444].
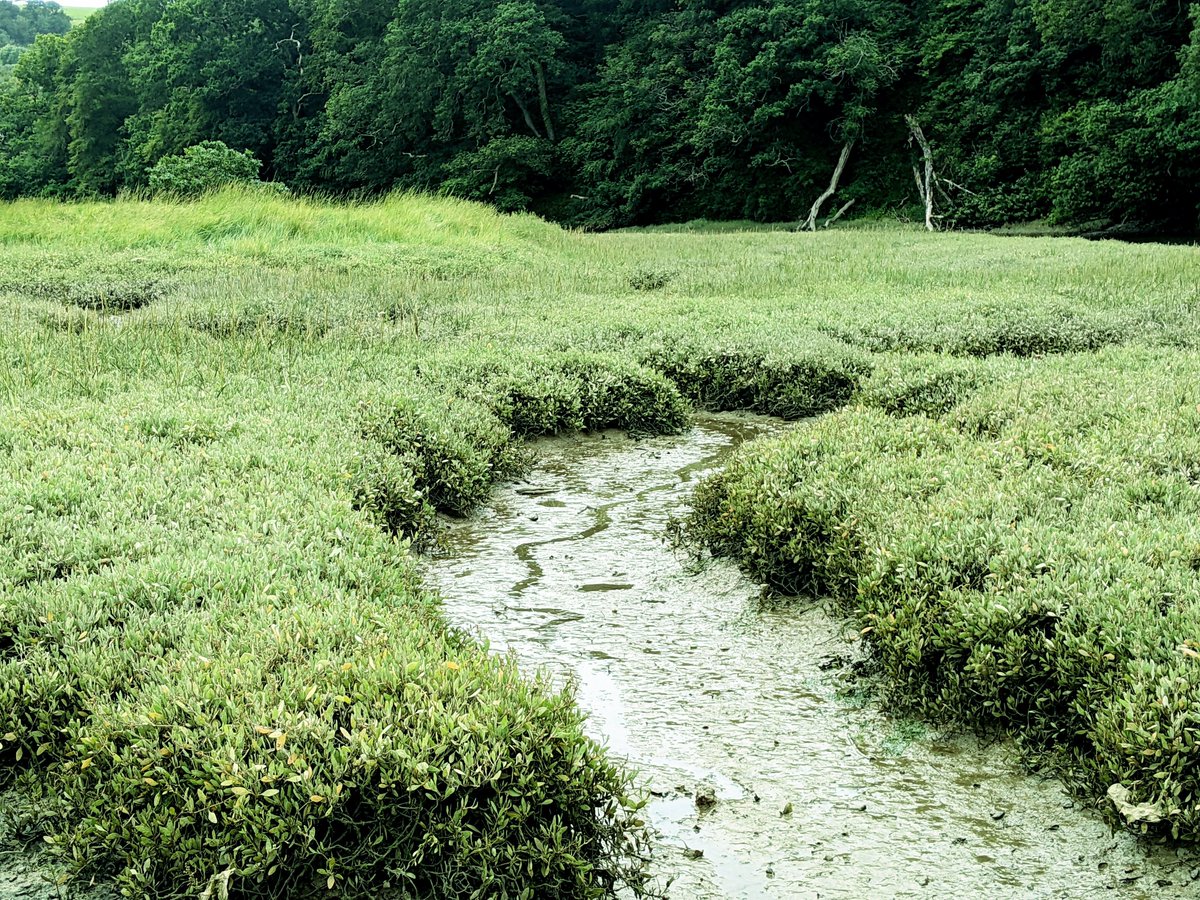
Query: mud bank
[772, 774]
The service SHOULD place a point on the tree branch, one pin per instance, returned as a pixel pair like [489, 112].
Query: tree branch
[525, 112]
[837, 215]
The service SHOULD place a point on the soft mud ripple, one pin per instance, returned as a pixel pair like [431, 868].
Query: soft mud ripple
[706, 688]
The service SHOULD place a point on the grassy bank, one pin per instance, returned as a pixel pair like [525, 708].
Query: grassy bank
[1019, 543]
[224, 424]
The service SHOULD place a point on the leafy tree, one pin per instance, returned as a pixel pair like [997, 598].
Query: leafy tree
[449, 79]
[792, 74]
[35, 136]
[99, 97]
[21, 25]
[633, 126]
[504, 172]
[206, 69]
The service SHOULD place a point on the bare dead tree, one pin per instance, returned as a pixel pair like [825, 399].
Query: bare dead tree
[811, 222]
[926, 180]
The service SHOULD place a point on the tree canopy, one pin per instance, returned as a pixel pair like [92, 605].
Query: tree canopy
[610, 112]
[20, 25]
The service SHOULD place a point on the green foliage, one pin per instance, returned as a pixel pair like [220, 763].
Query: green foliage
[114, 295]
[20, 25]
[207, 70]
[795, 381]
[922, 384]
[101, 98]
[1028, 560]
[651, 279]
[577, 392]
[35, 110]
[504, 172]
[387, 486]
[605, 115]
[204, 167]
[456, 456]
[988, 330]
[1117, 158]
[225, 425]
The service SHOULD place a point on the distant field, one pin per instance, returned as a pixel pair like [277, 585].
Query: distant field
[78, 13]
[226, 426]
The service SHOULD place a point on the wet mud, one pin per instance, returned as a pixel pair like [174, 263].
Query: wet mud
[772, 773]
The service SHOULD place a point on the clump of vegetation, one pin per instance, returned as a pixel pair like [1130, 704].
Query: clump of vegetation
[1015, 329]
[1026, 560]
[651, 279]
[115, 295]
[789, 379]
[926, 384]
[103, 292]
[457, 454]
[572, 391]
[204, 167]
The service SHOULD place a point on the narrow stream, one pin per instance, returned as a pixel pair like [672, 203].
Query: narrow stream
[704, 687]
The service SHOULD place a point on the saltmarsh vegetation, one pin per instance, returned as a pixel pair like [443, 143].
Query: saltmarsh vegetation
[226, 424]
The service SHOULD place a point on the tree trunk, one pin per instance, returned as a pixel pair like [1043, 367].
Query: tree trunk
[926, 184]
[525, 112]
[811, 222]
[544, 100]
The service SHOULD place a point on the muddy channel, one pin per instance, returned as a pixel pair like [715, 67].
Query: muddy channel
[707, 689]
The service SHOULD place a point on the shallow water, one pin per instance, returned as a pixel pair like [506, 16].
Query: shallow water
[702, 685]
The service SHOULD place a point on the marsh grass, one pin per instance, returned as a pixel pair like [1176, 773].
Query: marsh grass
[217, 662]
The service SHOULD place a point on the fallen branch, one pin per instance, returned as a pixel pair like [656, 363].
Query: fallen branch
[837, 215]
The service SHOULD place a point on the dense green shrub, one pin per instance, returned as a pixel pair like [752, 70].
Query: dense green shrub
[793, 380]
[565, 391]
[923, 384]
[388, 486]
[205, 167]
[361, 754]
[987, 329]
[651, 279]
[115, 295]
[456, 455]
[616, 393]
